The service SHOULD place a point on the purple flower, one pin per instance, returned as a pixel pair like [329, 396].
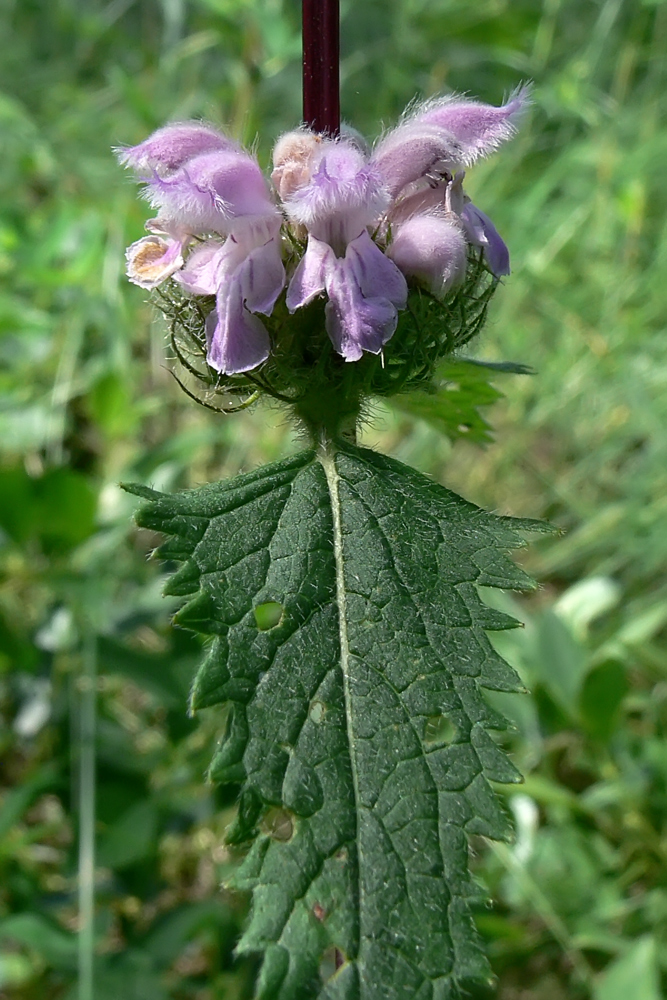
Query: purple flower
[409, 193]
[365, 291]
[369, 219]
[481, 232]
[210, 191]
[433, 249]
[419, 160]
[246, 275]
[342, 195]
[202, 183]
[443, 134]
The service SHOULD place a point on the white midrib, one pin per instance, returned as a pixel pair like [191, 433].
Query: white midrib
[327, 459]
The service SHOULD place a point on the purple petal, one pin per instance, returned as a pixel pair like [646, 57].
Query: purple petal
[262, 277]
[426, 200]
[237, 341]
[151, 260]
[478, 128]
[200, 274]
[309, 279]
[482, 233]
[257, 271]
[356, 324]
[443, 134]
[431, 248]
[170, 147]
[377, 276]
[343, 187]
[411, 150]
[212, 189]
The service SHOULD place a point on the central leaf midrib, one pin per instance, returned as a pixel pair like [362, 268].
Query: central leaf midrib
[326, 457]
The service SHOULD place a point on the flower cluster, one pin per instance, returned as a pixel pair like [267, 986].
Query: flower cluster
[370, 221]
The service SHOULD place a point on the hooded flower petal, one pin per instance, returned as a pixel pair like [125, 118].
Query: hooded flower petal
[210, 190]
[343, 195]
[442, 134]
[169, 148]
[433, 249]
[413, 150]
[482, 233]
[152, 259]
[479, 128]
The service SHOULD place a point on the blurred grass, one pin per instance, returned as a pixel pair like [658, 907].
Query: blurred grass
[580, 900]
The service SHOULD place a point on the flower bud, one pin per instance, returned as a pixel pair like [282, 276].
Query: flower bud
[431, 248]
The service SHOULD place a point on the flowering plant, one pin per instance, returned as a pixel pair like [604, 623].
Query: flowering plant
[338, 587]
[362, 235]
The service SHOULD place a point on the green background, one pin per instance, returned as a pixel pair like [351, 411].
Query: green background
[86, 400]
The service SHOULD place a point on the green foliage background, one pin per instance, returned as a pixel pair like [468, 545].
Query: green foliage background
[580, 899]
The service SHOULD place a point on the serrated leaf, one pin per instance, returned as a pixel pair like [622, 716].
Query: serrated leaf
[356, 724]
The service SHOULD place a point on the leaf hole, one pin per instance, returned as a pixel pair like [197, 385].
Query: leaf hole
[317, 712]
[464, 428]
[278, 824]
[268, 615]
[439, 729]
[332, 960]
[319, 912]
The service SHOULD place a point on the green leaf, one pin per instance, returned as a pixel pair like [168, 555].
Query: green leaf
[131, 838]
[355, 725]
[58, 507]
[635, 974]
[16, 802]
[601, 696]
[561, 661]
[451, 403]
[57, 946]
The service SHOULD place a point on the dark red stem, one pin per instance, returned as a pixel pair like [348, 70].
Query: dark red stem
[321, 57]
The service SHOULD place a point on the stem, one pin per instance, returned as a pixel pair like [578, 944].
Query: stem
[330, 413]
[88, 685]
[321, 56]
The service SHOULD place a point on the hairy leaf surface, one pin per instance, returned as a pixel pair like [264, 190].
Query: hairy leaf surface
[349, 644]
